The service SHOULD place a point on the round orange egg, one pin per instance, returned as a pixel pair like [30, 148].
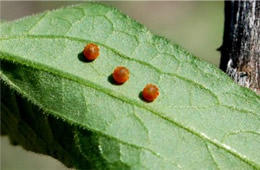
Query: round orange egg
[150, 92]
[91, 51]
[121, 75]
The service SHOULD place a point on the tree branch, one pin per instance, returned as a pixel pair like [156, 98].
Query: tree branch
[240, 51]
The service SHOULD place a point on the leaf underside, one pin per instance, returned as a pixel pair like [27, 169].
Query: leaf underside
[201, 120]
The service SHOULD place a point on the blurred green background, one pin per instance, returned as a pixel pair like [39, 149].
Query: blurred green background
[196, 25]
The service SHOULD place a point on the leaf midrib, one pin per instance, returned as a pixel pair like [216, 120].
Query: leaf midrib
[41, 67]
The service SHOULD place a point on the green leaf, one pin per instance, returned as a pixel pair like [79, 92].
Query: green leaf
[201, 120]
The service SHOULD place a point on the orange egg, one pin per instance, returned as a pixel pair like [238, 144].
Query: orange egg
[150, 92]
[121, 75]
[91, 51]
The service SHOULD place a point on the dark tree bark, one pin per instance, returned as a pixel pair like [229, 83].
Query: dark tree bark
[240, 51]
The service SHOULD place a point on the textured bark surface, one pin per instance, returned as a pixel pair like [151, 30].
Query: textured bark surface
[240, 51]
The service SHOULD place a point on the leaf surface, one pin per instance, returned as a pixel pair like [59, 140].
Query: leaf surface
[201, 120]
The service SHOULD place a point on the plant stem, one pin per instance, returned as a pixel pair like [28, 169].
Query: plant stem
[240, 51]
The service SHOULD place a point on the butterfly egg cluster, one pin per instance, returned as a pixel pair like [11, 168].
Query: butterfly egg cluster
[121, 74]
